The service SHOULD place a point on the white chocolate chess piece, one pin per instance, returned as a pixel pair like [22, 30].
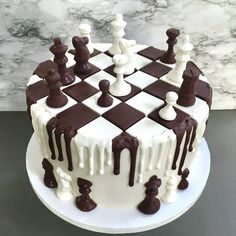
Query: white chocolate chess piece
[120, 87]
[171, 186]
[64, 189]
[85, 31]
[182, 57]
[168, 112]
[128, 48]
[118, 26]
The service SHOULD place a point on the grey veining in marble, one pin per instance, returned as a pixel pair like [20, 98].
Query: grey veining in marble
[28, 26]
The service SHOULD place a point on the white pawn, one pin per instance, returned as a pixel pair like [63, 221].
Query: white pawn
[168, 112]
[118, 26]
[85, 31]
[182, 57]
[64, 189]
[128, 48]
[170, 189]
[120, 87]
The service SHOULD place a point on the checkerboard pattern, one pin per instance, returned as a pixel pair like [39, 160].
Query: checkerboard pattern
[127, 113]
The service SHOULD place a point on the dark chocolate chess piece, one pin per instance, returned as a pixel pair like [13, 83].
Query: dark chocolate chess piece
[187, 89]
[105, 100]
[55, 98]
[82, 55]
[84, 202]
[59, 50]
[49, 178]
[169, 56]
[151, 204]
[183, 184]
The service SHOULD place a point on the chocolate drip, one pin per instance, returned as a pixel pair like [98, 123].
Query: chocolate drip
[194, 124]
[119, 143]
[58, 132]
[51, 125]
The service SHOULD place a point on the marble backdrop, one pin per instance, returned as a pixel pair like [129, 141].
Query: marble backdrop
[28, 26]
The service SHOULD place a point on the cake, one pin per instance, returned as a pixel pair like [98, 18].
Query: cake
[132, 147]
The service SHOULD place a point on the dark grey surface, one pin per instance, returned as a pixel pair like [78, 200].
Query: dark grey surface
[22, 213]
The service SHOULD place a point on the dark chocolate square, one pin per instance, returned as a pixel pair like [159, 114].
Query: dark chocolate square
[43, 68]
[159, 89]
[151, 53]
[108, 54]
[180, 118]
[204, 91]
[156, 69]
[80, 91]
[84, 76]
[123, 116]
[78, 115]
[109, 70]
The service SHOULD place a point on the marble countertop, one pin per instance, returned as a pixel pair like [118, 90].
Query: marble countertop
[28, 26]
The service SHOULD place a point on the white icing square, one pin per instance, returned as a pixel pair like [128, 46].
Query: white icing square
[91, 102]
[145, 102]
[34, 79]
[139, 47]
[146, 129]
[55, 111]
[140, 79]
[96, 78]
[170, 65]
[140, 61]
[163, 78]
[199, 103]
[101, 128]
[102, 47]
[101, 60]
[77, 80]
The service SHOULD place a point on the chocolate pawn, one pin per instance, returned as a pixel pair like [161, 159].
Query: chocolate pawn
[187, 89]
[49, 178]
[169, 56]
[59, 50]
[183, 184]
[151, 204]
[105, 100]
[55, 98]
[84, 202]
[82, 55]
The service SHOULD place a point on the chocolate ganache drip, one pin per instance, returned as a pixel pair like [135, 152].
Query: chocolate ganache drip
[119, 143]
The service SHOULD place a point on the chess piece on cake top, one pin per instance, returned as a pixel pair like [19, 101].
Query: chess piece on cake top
[120, 87]
[55, 98]
[187, 90]
[105, 100]
[85, 30]
[118, 26]
[127, 47]
[49, 178]
[59, 51]
[182, 57]
[168, 111]
[169, 56]
[82, 55]
[151, 204]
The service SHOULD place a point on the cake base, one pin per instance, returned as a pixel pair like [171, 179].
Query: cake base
[118, 221]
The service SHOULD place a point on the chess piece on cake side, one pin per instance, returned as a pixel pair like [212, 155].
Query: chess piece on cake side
[187, 90]
[170, 189]
[169, 56]
[59, 50]
[151, 204]
[182, 57]
[55, 98]
[84, 202]
[118, 26]
[105, 100]
[120, 87]
[85, 30]
[49, 178]
[168, 112]
[82, 55]
[128, 48]
[183, 184]
[64, 190]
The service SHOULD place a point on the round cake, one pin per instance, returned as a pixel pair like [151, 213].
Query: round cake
[118, 129]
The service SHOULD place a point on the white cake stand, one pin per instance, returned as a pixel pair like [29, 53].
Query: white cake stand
[118, 221]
